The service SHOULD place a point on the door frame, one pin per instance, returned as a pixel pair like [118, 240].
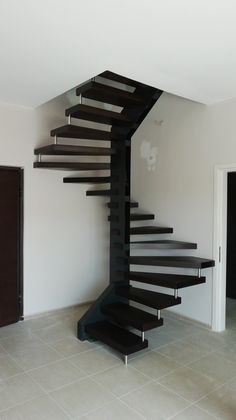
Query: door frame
[220, 245]
[20, 282]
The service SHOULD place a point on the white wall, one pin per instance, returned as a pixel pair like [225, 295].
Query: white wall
[65, 234]
[190, 139]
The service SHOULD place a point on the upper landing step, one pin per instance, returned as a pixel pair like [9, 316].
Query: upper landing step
[98, 115]
[108, 94]
[121, 79]
[64, 150]
[185, 262]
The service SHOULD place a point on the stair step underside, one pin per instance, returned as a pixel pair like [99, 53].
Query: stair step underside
[171, 281]
[128, 315]
[148, 298]
[133, 204]
[118, 338]
[84, 133]
[173, 261]
[108, 94]
[98, 115]
[165, 244]
[150, 230]
[87, 180]
[101, 193]
[73, 166]
[136, 217]
[67, 150]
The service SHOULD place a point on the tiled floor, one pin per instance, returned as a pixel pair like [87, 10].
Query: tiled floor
[188, 373]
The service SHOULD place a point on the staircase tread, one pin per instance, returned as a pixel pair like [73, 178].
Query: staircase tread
[116, 337]
[133, 204]
[108, 94]
[88, 180]
[102, 193]
[146, 297]
[173, 261]
[77, 132]
[138, 216]
[129, 315]
[63, 149]
[142, 230]
[98, 115]
[107, 74]
[74, 166]
[172, 281]
[167, 244]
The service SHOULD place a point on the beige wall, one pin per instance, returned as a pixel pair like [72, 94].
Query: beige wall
[190, 139]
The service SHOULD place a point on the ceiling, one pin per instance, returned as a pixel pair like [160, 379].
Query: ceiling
[186, 47]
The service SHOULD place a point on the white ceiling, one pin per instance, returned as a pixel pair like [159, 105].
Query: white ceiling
[186, 47]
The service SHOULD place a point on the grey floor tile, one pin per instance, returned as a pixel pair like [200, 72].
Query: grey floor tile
[154, 364]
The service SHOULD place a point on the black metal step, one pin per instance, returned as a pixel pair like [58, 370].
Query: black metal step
[101, 193]
[67, 150]
[98, 115]
[150, 230]
[171, 281]
[76, 132]
[121, 79]
[108, 94]
[87, 180]
[118, 338]
[166, 244]
[128, 315]
[138, 216]
[148, 298]
[73, 166]
[133, 204]
[173, 261]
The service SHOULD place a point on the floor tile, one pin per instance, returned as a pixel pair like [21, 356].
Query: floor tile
[193, 413]
[40, 322]
[229, 352]
[94, 361]
[71, 345]
[16, 390]
[2, 350]
[8, 367]
[216, 367]
[20, 344]
[220, 403]
[58, 331]
[42, 408]
[37, 356]
[211, 341]
[113, 411]
[190, 384]
[81, 397]
[154, 364]
[155, 402]
[56, 375]
[182, 351]
[121, 379]
[11, 330]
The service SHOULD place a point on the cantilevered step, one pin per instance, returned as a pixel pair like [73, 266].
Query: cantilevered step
[118, 338]
[76, 132]
[73, 166]
[98, 115]
[165, 244]
[128, 315]
[87, 180]
[108, 94]
[171, 281]
[138, 216]
[67, 150]
[148, 298]
[101, 193]
[185, 262]
[133, 204]
[121, 79]
[150, 230]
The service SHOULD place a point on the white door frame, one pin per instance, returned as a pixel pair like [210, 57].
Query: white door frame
[220, 245]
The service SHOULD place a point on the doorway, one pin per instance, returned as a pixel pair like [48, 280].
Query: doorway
[231, 247]
[11, 245]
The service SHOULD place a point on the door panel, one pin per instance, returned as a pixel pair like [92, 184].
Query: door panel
[10, 245]
[231, 237]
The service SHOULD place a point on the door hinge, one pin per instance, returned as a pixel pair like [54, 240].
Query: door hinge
[219, 253]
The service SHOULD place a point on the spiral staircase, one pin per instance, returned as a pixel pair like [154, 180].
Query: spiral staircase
[114, 318]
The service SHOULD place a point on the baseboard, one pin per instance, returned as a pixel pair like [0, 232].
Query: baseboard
[57, 311]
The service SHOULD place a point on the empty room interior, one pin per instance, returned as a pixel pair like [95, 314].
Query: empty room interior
[118, 210]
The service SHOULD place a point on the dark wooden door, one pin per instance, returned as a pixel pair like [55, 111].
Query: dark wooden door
[231, 237]
[11, 220]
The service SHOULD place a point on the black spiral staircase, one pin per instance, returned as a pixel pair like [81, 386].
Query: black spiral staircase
[113, 317]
